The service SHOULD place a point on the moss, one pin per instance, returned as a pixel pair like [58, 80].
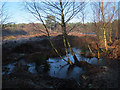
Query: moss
[37, 57]
[46, 67]
[40, 58]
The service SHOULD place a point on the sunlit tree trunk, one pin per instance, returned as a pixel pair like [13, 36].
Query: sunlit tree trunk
[104, 28]
[97, 19]
[105, 39]
[64, 33]
[72, 52]
[66, 41]
[110, 36]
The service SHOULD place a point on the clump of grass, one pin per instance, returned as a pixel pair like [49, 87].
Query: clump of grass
[84, 50]
[10, 38]
[31, 35]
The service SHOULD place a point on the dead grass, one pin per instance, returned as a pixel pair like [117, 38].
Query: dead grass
[51, 34]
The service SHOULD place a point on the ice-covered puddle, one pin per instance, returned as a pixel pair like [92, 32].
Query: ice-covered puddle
[60, 69]
[57, 67]
[9, 68]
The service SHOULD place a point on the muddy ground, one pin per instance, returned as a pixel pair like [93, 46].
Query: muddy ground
[13, 50]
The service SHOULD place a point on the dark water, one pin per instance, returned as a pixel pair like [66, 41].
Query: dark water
[89, 33]
[58, 67]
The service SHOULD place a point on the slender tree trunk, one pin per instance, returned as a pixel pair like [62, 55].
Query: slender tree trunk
[57, 51]
[105, 39]
[65, 44]
[110, 35]
[117, 28]
[98, 52]
[49, 36]
[98, 56]
[64, 33]
[66, 41]
[72, 52]
[104, 29]
[117, 34]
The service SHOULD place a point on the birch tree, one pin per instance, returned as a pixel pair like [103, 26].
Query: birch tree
[101, 18]
[63, 11]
